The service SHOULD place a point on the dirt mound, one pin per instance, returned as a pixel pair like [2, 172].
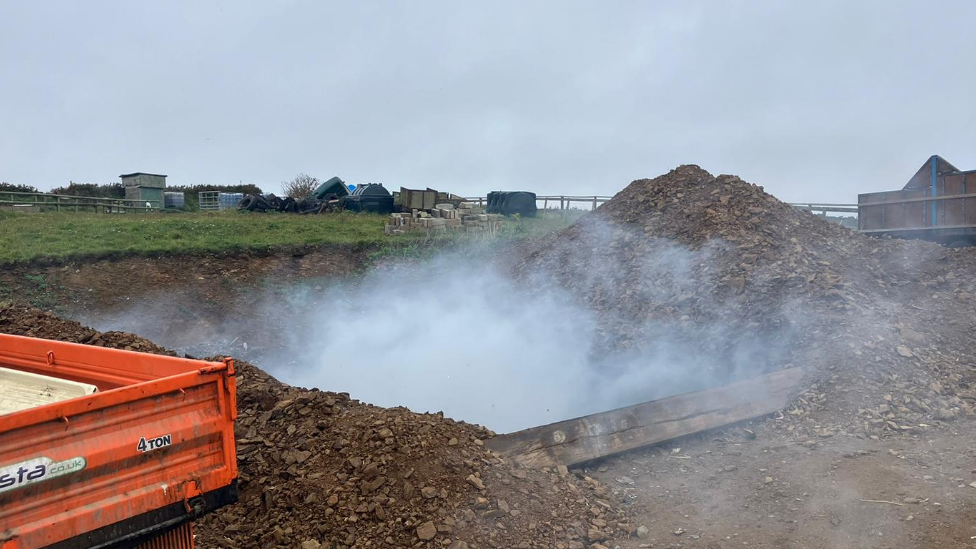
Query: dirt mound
[321, 469]
[31, 322]
[753, 244]
[717, 279]
[703, 253]
[322, 466]
[690, 205]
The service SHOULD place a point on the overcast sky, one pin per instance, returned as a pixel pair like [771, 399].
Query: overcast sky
[814, 100]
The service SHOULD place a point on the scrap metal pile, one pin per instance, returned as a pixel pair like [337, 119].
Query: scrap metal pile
[272, 203]
[331, 196]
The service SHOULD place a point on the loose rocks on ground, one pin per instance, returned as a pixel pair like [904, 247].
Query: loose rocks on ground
[321, 469]
[717, 278]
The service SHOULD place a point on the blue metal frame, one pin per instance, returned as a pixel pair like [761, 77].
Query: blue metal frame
[935, 190]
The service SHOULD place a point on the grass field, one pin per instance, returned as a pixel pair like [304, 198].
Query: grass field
[26, 237]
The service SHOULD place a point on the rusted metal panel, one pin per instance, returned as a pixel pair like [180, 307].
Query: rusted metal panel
[870, 217]
[969, 206]
[914, 214]
[953, 211]
[895, 214]
[955, 206]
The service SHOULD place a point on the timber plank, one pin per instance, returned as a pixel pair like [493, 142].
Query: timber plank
[607, 433]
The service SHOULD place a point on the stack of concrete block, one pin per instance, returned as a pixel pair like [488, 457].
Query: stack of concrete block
[431, 224]
[482, 223]
[396, 224]
[440, 220]
[470, 208]
[444, 213]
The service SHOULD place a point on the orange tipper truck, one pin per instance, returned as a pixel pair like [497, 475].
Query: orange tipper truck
[109, 448]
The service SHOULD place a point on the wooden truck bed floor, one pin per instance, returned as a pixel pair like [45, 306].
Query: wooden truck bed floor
[24, 390]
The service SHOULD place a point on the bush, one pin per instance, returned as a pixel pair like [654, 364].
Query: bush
[301, 187]
[12, 187]
[93, 190]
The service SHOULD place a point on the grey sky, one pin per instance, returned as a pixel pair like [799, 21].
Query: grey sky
[813, 100]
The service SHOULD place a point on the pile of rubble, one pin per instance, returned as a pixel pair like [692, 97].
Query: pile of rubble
[699, 254]
[31, 322]
[319, 469]
[322, 467]
[721, 271]
[754, 245]
[469, 218]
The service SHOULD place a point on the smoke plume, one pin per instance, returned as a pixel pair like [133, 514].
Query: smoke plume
[461, 335]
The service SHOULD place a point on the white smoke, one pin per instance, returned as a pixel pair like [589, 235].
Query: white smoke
[459, 335]
[446, 336]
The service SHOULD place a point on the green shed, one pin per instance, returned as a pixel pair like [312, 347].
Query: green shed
[144, 188]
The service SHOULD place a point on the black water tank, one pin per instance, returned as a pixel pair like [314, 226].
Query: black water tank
[371, 197]
[492, 205]
[511, 203]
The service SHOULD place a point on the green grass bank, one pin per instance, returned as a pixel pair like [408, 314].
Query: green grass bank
[27, 237]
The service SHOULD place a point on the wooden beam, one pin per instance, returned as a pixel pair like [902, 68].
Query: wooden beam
[607, 433]
[919, 199]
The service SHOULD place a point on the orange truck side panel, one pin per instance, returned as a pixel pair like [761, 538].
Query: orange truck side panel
[159, 431]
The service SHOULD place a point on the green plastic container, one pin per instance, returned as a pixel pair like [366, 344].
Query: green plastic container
[334, 186]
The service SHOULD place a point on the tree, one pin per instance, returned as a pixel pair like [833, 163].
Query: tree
[301, 187]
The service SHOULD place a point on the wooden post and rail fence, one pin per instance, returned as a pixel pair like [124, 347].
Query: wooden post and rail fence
[48, 202]
[566, 202]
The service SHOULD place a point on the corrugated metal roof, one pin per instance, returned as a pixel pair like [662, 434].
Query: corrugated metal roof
[141, 173]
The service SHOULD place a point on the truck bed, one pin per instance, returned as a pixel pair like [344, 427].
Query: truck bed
[24, 390]
[152, 449]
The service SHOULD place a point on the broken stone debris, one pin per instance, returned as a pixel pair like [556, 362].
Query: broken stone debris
[881, 325]
[319, 469]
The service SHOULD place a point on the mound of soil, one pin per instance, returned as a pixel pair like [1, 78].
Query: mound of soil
[722, 280]
[321, 466]
[691, 246]
[31, 322]
[320, 469]
[876, 452]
